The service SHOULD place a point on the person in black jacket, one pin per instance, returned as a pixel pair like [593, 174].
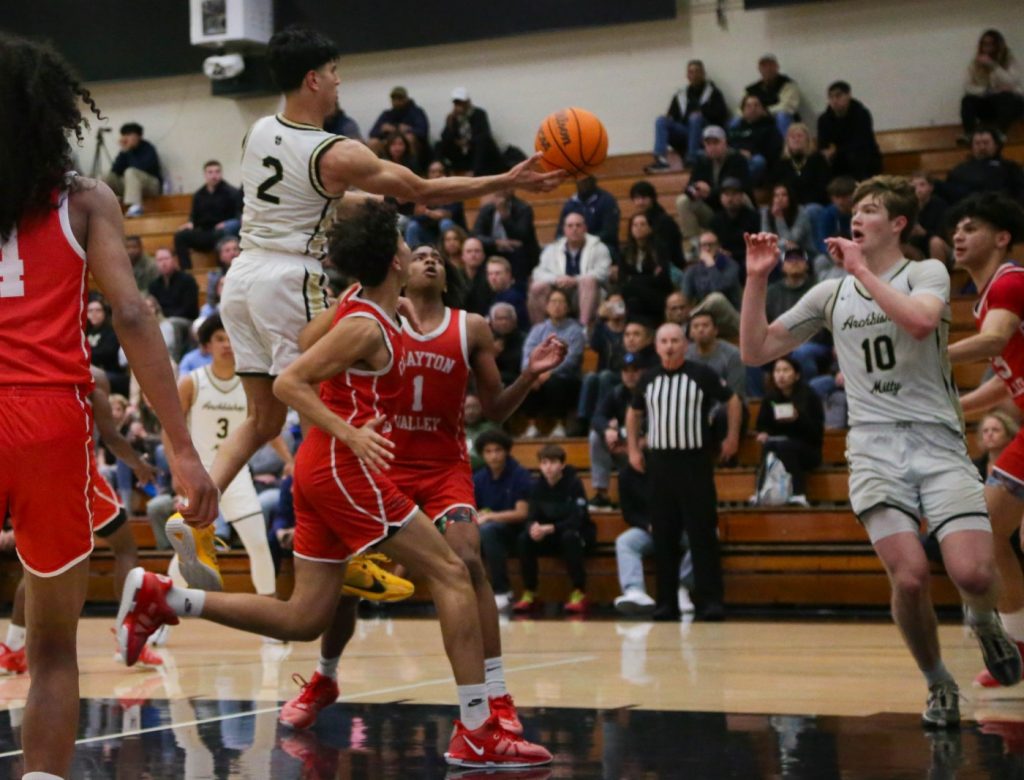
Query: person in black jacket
[846, 135]
[505, 226]
[702, 196]
[668, 240]
[928, 234]
[216, 212]
[791, 423]
[175, 291]
[466, 141]
[104, 347]
[756, 137]
[599, 208]
[135, 172]
[689, 112]
[557, 523]
[802, 167]
[644, 276]
[985, 171]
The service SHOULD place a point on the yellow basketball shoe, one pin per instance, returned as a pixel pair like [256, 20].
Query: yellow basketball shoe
[197, 553]
[364, 578]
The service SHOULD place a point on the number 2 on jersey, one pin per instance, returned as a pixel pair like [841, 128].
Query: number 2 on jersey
[12, 269]
[417, 393]
[881, 349]
[262, 191]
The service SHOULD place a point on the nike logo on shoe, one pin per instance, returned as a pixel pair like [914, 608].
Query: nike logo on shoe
[478, 750]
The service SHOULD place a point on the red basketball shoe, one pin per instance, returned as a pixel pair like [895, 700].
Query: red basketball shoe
[491, 746]
[143, 610]
[505, 709]
[315, 695]
[12, 661]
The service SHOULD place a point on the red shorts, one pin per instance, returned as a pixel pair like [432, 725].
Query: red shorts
[436, 486]
[106, 506]
[45, 475]
[341, 507]
[1008, 469]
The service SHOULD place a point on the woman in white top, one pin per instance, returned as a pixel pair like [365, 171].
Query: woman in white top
[994, 95]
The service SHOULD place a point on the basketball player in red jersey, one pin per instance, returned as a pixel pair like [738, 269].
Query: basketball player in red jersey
[55, 228]
[345, 502]
[432, 463]
[986, 227]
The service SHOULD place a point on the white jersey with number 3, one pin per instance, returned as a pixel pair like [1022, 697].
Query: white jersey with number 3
[891, 377]
[286, 208]
[218, 408]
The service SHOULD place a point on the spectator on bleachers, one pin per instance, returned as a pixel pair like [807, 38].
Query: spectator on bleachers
[599, 208]
[473, 261]
[195, 358]
[638, 338]
[986, 170]
[928, 233]
[451, 244]
[736, 218]
[428, 223]
[99, 332]
[216, 213]
[831, 389]
[403, 117]
[677, 309]
[668, 239]
[508, 340]
[756, 136]
[557, 524]
[340, 123]
[143, 266]
[791, 424]
[466, 141]
[778, 93]
[701, 199]
[995, 432]
[714, 272]
[170, 333]
[802, 167]
[642, 275]
[826, 267]
[834, 220]
[175, 290]
[503, 289]
[396, 149]
[475, 424]
[691, 110]
[796, 280]
[227, 251]
[505, 225]
[846, 135]
[502, 488]
[578, 264]
[605, 340]
[555, 393]
[993, 86]
[135, 173]
[720, 356]
[787, 219]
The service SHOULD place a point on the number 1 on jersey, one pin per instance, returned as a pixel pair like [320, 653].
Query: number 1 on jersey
[417, 393]
[12, 269]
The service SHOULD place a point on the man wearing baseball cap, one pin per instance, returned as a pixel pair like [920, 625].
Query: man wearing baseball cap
[778, 93]
[403, 117]
[466, 141]
[701, 200]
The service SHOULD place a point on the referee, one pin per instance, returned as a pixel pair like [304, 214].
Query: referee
[677, 398]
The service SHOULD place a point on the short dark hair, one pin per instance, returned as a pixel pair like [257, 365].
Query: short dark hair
[551, 452]
[842, 185]
[208, 163]
[840, 86]
[363, 244]
[129, 128]
[642, 189]
[493, 436]
[210, 325]
[294, 52]
[699, 63]
[997, 136]
[134, 238]
[997, 210]
[704, 313]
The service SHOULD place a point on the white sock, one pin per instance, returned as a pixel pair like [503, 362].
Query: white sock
[15, 637]
[40, 776]
[977, 618]
[186, 602]
[253, 533]
[328, 667]
[494, 677]
[473, 707]
[939, 674]
[1013, 622]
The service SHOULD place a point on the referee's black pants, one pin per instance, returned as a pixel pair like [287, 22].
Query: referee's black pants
[683, 498]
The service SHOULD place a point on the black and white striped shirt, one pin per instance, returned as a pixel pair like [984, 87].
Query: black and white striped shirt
[678, 406]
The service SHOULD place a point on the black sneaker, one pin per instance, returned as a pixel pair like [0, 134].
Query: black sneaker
[1000, 653]
[660, 165]
[667, 613]
[943, 710]
[600, 503]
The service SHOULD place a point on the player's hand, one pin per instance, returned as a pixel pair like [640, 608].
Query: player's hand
[611, 437]
[537, 532]
[525, 176]
[762, 253]
[370, 447]
[406, 309]
[636, 460]
[730, 446]
[144, 472]
[848, 253]
[547, 356]
[199, 506]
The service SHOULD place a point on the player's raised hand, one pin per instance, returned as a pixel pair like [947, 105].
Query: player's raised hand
[370, 447]
[846, 252]
[199, 507]
[762, 253]
[525, 176]
[548, 355]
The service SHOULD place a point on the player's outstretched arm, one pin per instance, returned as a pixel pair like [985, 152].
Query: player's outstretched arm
[986, 396]
[996, 332]
[353, 341]
[349, 163]
[140, 337]
[499, 402]
[759, 341]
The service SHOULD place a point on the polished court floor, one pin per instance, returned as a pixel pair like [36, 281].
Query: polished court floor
[742, 699]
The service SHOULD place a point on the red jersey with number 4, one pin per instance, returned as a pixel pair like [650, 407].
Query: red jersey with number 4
[429, 424]
[1005, 290]
[358, 396]
[42, 303]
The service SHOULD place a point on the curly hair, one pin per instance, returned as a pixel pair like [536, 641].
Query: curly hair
[999, 211]
[294, 52]
[40, 95]
[363, 244]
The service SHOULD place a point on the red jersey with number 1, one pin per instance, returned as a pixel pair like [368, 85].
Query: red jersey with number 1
[429, 423]
[42, 302]
[1005, 290]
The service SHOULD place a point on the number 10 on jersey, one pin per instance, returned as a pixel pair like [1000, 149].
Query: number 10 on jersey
[12, 269]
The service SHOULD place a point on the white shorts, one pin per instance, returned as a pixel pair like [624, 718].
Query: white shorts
[240, 501]
[268, 298]
[921, 470]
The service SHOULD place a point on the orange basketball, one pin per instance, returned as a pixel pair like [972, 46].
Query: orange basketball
[572, 139]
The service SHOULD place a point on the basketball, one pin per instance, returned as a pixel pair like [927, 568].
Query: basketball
[572, 139]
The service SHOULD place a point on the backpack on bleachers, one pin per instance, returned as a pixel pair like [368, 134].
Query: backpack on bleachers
[774, 483]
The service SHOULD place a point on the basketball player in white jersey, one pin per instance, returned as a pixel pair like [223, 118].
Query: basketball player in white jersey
[294, 173]
[889, 319]
[214, 404]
